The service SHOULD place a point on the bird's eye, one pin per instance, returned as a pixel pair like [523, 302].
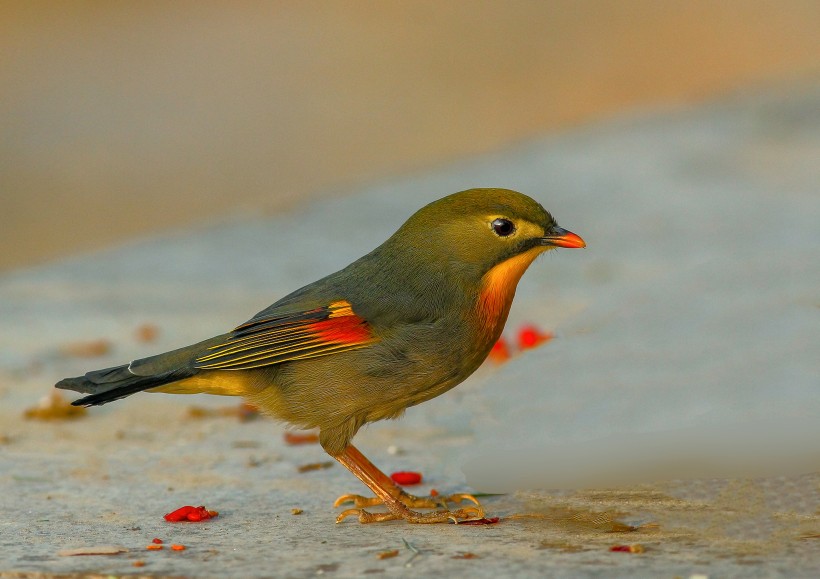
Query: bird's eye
[503, 227]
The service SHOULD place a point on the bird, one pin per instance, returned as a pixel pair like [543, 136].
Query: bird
[403, 324]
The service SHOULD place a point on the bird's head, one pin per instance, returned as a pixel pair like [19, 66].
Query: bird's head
[480, 229]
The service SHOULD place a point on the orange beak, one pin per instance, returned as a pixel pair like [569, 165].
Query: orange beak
[562, 238]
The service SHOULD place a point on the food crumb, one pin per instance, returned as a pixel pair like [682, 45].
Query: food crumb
[156, 541]
[296, 511]
[388, 554]
[146, 333]
[466, 555]
[54, 407]
[190, 514]
[296, 438]
[314, 466]
[406, 478]
[531, 337]
[154, 547]
[197, 412]
[138, 563]
[244, 412]
[178, 547]
[247, 412]
[90, 349]
[636, 548]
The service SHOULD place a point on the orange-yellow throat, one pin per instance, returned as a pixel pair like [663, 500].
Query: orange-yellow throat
[498, 289]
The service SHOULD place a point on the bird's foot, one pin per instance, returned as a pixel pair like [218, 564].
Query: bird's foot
[398, 502]
[410, 501]
[446, 516]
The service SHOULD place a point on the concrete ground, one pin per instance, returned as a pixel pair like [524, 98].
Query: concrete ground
[694, 307]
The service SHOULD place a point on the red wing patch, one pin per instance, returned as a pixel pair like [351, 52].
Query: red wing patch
[276, 339]
[347, 330]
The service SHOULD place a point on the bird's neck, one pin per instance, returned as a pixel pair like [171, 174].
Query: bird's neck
[497, 291]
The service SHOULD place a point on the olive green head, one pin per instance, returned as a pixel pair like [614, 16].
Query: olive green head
[481, 228]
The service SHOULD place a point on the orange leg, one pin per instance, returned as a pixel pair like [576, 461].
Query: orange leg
[392, 496]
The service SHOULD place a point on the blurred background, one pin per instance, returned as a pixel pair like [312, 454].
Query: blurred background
[122, 119]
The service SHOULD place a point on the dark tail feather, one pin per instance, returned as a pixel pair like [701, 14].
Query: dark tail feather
[111, 384]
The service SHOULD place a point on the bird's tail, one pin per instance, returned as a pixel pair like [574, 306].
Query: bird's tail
[110, 384]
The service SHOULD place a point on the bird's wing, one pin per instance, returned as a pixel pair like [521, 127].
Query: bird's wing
[273, 338]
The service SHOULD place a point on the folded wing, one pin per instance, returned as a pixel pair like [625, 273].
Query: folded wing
[282, 337]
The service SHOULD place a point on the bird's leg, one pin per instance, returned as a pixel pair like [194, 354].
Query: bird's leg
[411, 501]
[391, 495]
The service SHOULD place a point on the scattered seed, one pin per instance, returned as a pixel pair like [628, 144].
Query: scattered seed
[296, 511]
[197, 412]
[146, 333]
[90, 349]
[156, 541]
[388, 554]
[153, 547]
[138, 563]
[296, 438]
[178, 547]
[636, 548]
[247, 412]
[190, 514]
[244, 412]
[466, 556]
[315, 466]
[406, 478]
[54, 407]
[531, 337]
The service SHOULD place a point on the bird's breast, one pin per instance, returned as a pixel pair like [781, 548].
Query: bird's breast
[497, 291]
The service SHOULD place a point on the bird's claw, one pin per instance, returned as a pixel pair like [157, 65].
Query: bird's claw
[469, 514]
[357, 500]
[460, 515]
[460, 497]
[366, 517]
[410, 501]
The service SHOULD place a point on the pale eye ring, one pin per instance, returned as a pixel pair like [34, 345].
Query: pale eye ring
[503, 227]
